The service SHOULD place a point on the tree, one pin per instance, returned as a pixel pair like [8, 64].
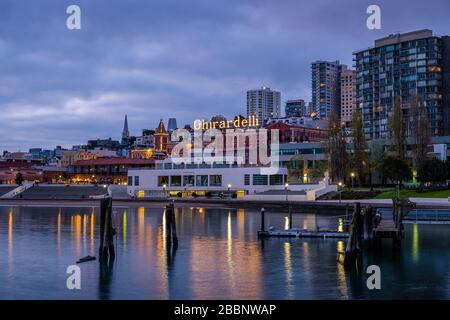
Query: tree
[295, 169]
[397, 132]
[396, 169]
[433, 171]
[317, 172]
[420, 131]
[337, 150]
[19, 178]
[360, 157]
[376, 156]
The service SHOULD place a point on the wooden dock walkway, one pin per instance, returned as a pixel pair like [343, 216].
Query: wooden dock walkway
[387, 229]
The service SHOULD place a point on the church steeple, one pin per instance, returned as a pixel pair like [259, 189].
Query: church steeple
[125, 132]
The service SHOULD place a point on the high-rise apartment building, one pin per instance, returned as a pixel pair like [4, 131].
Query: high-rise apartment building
[348, 95]
[172, 124]
[326, 88]
[263, 103]
[403, 66]
[295, 108]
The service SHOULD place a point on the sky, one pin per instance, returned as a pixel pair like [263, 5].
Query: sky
[188, 59]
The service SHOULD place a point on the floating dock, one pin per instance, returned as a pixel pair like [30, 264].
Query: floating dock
[302, 233]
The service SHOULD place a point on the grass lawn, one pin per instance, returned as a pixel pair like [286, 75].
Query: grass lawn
[413, 194]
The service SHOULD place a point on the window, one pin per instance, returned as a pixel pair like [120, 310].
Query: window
[163, 180]
[215, 180]
[175, 181]
[201, 181]
[188, 180]
[246, 179]
[260, 180]
[130, 180]
[276, 180]
[136, 180]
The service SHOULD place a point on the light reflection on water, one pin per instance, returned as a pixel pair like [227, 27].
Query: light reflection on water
[218, 257]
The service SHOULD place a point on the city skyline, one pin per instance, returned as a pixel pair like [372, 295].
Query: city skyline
[56, 83]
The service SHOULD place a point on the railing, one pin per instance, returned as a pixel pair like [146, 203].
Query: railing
[428, 215]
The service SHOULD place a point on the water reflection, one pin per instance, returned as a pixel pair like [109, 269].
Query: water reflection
[218, 257]
[415, 243]
[289, 273]
[10, 239]
[341, 273]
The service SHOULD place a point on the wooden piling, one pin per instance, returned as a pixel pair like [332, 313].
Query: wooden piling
[368, 223]
[290, 218]
[171, 229]
[354, 245]
[106, 249]
[263, 227]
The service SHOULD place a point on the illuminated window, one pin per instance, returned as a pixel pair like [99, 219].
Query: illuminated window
[215, 180]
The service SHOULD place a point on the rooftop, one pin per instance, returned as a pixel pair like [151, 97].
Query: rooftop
[114, 161]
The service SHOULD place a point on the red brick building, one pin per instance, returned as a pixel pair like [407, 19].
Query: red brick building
[297, 134]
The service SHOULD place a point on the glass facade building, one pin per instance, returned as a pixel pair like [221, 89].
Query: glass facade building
[403, 66]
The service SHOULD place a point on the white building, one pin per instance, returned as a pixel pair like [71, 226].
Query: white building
[192, 180]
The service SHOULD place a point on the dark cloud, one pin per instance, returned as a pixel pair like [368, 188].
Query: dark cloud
[166, 58]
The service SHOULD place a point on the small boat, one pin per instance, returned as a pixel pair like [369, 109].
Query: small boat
[86, 259]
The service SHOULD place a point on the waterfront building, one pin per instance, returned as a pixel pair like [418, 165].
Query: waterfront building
[263, 103]
[302, 160]
[402, 66]
[194, 180]
[326, 88]
[348, 96]
[295, 108]
[105, 170]
[8, 176]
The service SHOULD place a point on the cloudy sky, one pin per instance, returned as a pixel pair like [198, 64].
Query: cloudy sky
[155, 59]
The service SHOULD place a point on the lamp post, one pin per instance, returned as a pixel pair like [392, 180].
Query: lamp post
[352, 174]
[340, 190]
[229, 186]
[286, 185]
[164, 188]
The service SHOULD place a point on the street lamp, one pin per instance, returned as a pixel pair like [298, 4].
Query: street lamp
[164, 188]
[352, 174]
[229, 186]
[340, 190]
[286, 185]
